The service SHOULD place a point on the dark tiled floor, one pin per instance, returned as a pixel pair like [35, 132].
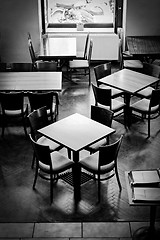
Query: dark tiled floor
[20, 204]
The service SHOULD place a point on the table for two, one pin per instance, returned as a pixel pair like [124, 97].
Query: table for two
[76, 132]
[60, 49]
[131, 82]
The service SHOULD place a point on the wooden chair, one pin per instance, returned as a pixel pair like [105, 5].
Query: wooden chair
[154, 71]
[83, 55]
[81, 67]
[49, 163]
[104, 99]
[103, 116]
[21, 67]
[148, 108]
[37, 63]
[12, 104]
[49, 99]
[104, 70]
[128, 61]
[103, 163]
[39, 119]
[3, 67]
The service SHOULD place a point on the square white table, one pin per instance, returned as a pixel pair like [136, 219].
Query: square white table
[130, 82]
[76, 132]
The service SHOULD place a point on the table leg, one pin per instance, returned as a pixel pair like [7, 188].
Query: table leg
[76, 176]
[148, 233]
[128, 111]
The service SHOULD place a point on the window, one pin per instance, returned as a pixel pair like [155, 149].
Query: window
[69, 13]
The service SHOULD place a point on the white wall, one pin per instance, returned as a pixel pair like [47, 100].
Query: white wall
[17, 17]
[143, 17]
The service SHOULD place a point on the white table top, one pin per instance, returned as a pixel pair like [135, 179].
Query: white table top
[60, 47]
[76, 131]
[128, 80]
[30, 81]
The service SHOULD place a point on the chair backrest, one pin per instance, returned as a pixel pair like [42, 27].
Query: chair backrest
[46, 66]
[22, 67]
[151, 69]
[86, 46]
[90, 51]
[31, 51]
[155, 99]
[102, 96]
[102, 115]
[38, 119]
[38, 100]
[12, 101]
[101, 71]
[3, 67]
[108, 153]
[42, 152]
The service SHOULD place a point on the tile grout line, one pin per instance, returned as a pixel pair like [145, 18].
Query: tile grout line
[33, 230]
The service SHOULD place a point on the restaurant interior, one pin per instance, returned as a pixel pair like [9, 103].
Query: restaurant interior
[79, 98]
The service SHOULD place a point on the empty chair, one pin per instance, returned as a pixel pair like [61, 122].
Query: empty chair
[38, 119]
[46, 66]
[83, 55]
[3, 67]
[13, 106]
[37, 62]
[104, 70]
[81, 67]
[21, 67]
[48, 99]
[103, 163]
[128, 61]
[49, 163]
[104, 99]
[103, 116]
[154, 71]
[149, 108]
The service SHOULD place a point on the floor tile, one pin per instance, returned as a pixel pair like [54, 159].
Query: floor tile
[137, 225]
[16, 230]
[108, 229]
[62, 230]
[96, 238]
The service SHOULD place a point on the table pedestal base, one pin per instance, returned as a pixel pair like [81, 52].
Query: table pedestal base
[145, 233]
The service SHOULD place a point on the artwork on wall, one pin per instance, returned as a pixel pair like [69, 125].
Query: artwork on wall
[83, 11]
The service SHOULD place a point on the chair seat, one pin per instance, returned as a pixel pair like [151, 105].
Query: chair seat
[11, 113]
[146, 93]
[91, 163]
[143, 106]
[78, 64]
[59, 162]
[47, 142]
[114, 91]
[116, 105]
[132, 64]
[95, 147]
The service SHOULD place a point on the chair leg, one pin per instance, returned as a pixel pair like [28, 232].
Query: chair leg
[69, 153]
[35, 178]
[149, 126]
[118, 180]
[99, 188]
[33, 160]
[89, 77]
[51, 188]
